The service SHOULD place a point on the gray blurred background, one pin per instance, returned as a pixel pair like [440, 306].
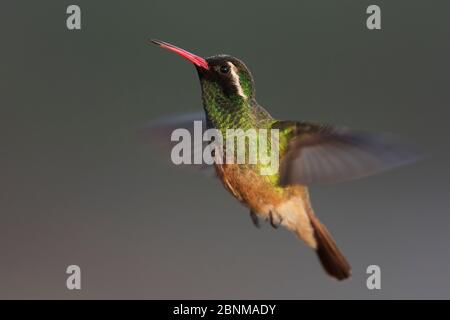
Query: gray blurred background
[77, 186]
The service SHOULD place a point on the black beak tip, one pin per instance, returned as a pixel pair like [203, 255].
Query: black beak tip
[155, 41]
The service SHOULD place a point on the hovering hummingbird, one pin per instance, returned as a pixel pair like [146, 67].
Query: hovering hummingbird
[309, 153]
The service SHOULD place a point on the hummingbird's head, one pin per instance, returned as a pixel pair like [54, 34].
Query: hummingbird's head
[227, 87]
[227, 75]
[223, 76]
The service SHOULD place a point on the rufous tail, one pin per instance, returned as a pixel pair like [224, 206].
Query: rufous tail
[333, 261]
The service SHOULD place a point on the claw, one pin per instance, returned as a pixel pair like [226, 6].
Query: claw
[255, 219]
[274, 223]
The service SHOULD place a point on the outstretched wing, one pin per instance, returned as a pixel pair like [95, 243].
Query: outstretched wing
[315, 153]
[157, 134]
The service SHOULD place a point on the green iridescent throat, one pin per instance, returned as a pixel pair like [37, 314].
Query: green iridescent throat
[228, 111]
[235, 112]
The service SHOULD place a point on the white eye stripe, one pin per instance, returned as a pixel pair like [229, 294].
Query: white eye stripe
[236, 80]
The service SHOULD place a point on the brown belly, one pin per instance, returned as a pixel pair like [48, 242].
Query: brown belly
[289, 204]
[251, 189]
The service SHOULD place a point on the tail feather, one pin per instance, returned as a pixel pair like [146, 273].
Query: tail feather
[333, 261]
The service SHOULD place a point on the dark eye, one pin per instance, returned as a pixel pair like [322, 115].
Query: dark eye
[224, 69]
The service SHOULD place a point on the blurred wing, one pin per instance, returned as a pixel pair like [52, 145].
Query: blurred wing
[157, 135]
[317, 153]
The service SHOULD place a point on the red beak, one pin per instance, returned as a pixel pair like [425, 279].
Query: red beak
[198, 61]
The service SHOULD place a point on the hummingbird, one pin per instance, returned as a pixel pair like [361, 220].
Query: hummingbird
[309, 153]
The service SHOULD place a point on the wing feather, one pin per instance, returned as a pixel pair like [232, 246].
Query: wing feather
[157, 134]
[325, 154]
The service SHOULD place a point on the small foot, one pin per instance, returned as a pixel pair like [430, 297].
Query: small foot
[255, 219]
[275, 220]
